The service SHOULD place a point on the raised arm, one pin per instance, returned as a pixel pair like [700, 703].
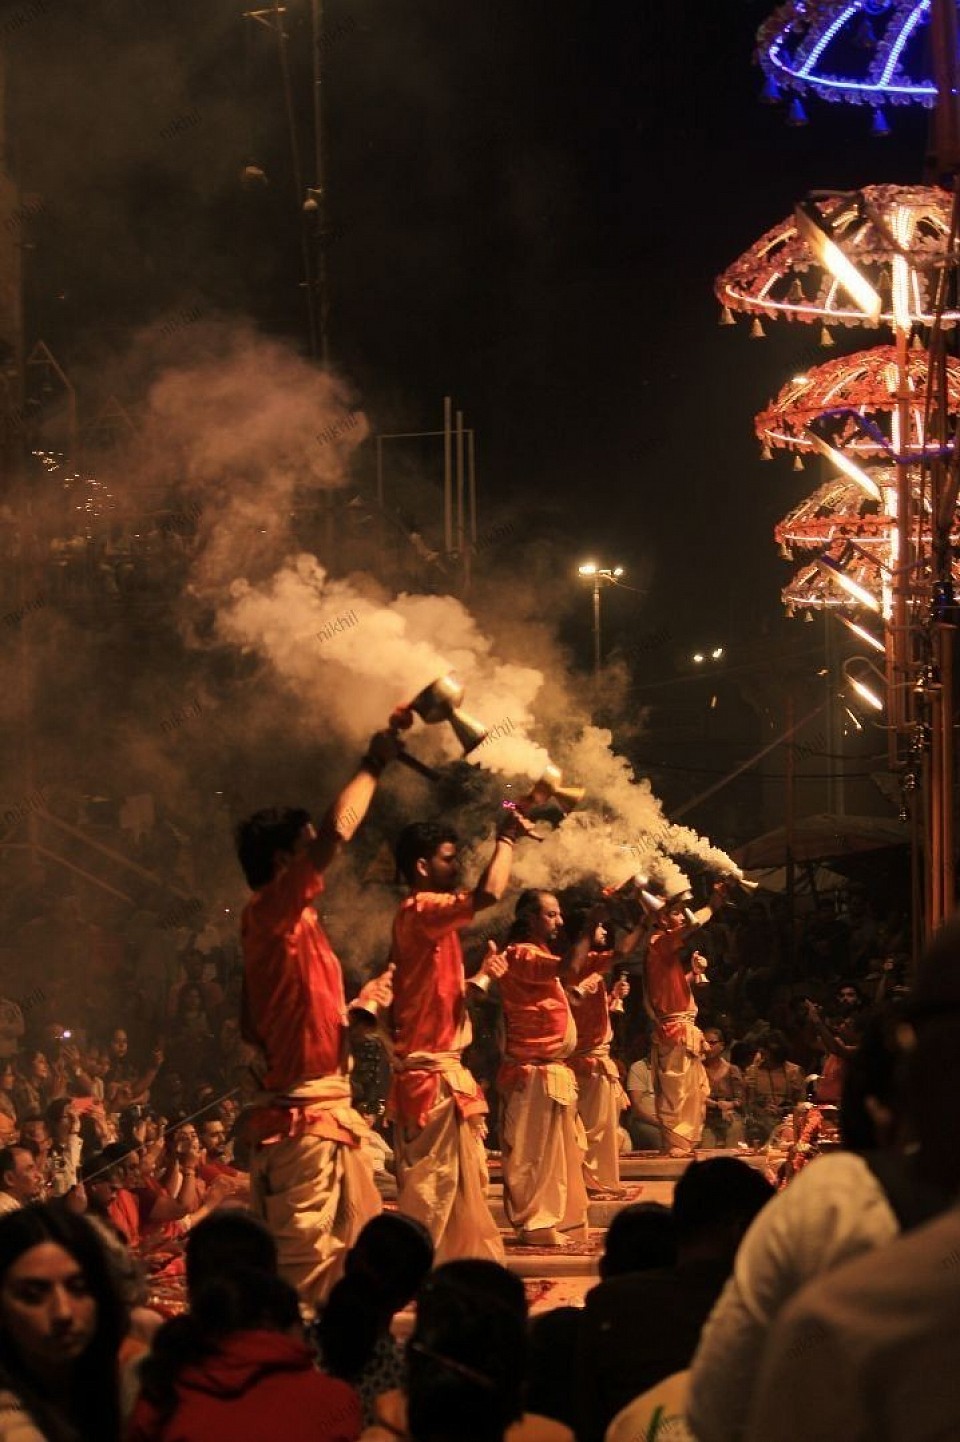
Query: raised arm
[343, 817]
[496, 875]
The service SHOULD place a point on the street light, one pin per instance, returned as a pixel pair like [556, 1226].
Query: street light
[598, 574]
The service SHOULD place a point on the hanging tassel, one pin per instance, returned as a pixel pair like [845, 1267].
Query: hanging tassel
[808, 617]
[766, 454]
[796, 115]
[785, 551]
[798, 462]
[864, 36]
[879, 125]
[917, 343]
[791, 610]
[757, 331]
[826, 339]
[726, 316]
[795, 294]
[770, 94]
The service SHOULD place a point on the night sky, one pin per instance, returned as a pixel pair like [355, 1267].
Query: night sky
[527, 207]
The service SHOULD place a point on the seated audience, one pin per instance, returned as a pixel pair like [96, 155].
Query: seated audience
[714, 1203]
[772, 1088]
[62, 1323]
[235, 1368]
[383, 1271]
[20, 1179]
[869, 1350]
[725, 1105]
[641, 1238]
[842, 1204]
[466, 1364]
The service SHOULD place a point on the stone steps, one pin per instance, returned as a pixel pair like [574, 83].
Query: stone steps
[559, 1276]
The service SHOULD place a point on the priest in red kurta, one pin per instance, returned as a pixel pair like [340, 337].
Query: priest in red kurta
[541, 1136]
[600, 1095]
[311, 1179]
[437, 1106]
[680, 1082]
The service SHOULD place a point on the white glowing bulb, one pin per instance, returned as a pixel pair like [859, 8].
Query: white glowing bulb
[589, 568]
[849, 468]
[717, 652]
[698, 657]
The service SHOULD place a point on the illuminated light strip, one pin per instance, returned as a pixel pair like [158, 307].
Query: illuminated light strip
[826, 37]
[849, 468]
[920, 91]
[847, 583]
[863, 633]
[864, 692]
[904, 222]
[897, 48]
[742, 300]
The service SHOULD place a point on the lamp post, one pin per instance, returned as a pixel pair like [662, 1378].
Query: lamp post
[598, 574]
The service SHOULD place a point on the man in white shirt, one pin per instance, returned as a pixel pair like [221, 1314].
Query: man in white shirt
[645, 1131]
[20, 1180]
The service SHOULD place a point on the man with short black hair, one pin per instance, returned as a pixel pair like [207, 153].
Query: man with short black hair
[437, 1107]
[310, 1176]
[20, 1179]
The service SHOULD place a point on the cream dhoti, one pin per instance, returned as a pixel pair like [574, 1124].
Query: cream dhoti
[436, 1105]
[311, 1181]
[442, 1174]
[680, 1083]
[600, 1100]
[601, 1097]
[541, 1135]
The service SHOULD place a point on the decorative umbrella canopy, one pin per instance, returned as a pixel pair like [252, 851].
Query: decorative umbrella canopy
[838, 511]
[781, 278]
[866, 382]
[868, 52]
[812, 588]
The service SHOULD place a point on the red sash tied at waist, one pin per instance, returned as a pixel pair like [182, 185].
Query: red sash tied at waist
[416, 1086]
[558, 1080]
[326, 1112]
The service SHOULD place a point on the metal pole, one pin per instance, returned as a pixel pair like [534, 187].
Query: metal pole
[472, 483]
[447, 474]
[945, 639]
[322, 299]
[461, 527]
[946, 117]
[596, 631]
[900, 636]
[380, 503]
[789, 827]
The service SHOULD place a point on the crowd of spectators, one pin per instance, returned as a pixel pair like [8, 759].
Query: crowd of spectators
[139, 1297]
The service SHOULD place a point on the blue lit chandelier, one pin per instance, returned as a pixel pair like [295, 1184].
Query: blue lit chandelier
[864, 52]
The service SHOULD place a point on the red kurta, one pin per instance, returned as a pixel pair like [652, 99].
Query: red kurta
[536, 1012]
[665, 974]
[293, 999]
[591, 1009]
[429, 997]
